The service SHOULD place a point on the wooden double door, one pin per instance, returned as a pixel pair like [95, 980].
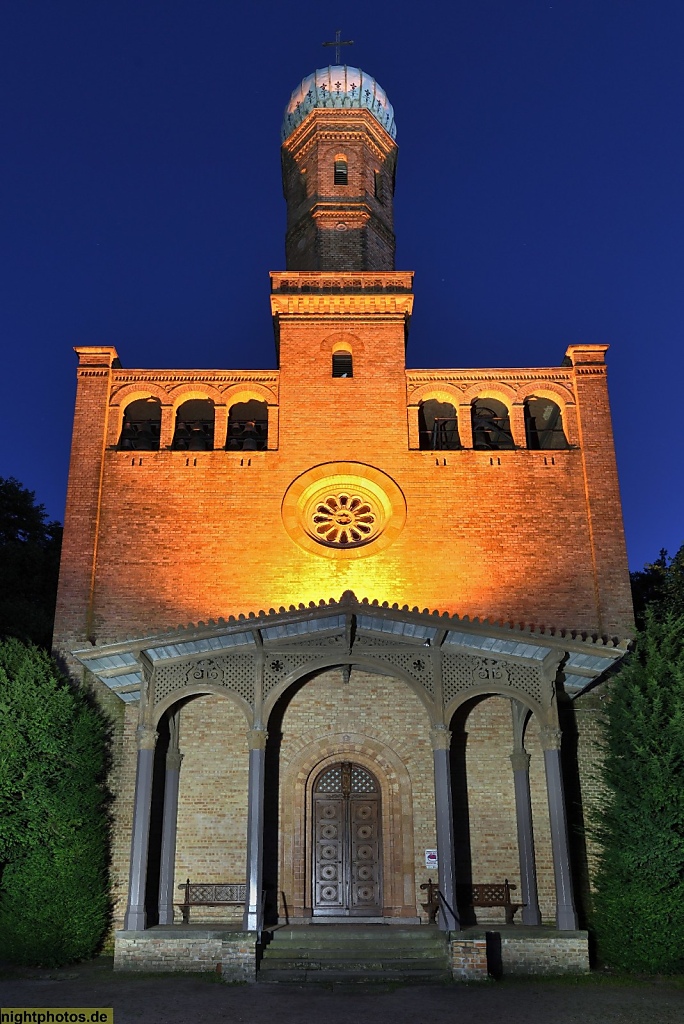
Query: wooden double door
[347, 847]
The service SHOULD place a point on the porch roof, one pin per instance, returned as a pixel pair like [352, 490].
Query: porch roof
[119, 664]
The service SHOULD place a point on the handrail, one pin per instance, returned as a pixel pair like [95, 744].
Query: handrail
[449, 908]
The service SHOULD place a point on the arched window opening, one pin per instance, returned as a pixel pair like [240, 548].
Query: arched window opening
[141, 426]
[342, 364]
[248, 427]
[544, 425]
[377, 186]
[194, 426]
[491, 425]
[438, 426]
[341, 175]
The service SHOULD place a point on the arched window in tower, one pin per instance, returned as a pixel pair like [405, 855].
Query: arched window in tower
[378, 190]
[342, 364]
[438, 426]
[491, 425]
[194, 426]
[544, 425]
[141, 426]
[341, 170]
[248, 427]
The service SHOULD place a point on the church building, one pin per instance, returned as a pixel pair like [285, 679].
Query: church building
[350, 620]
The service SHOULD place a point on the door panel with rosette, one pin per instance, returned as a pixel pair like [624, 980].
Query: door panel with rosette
[347, 870]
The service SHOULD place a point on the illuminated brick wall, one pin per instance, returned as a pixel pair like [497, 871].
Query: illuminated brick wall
[153, 539]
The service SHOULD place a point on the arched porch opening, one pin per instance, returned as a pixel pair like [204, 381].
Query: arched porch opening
[346, 714]
[198, 813]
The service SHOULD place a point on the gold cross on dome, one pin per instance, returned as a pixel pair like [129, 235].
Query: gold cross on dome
[337, 42]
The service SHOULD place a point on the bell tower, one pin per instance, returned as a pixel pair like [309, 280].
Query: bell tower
[338, 161]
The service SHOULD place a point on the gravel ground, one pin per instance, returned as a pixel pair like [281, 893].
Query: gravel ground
[187, 999]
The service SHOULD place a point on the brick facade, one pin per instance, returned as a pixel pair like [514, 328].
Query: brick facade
[159, 535]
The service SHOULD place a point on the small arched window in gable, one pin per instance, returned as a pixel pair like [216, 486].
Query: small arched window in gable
[491, 425]
[544, 425]
[341, 170]
[141, 426]
[342, 364]
[438, 426]
[194, 426]
[248, 427]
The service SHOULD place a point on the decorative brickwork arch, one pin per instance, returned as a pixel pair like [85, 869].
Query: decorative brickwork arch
[490, 389]
[246, 392]
[546, 389]
[440, 392]
[342, 341]
[131, 392]
[397, 819]
[186, 392]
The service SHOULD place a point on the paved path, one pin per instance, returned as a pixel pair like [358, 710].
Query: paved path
[183, 999]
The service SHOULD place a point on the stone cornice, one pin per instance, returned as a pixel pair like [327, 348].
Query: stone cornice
[416, 378]
[333, 282]
[341, 306]
[131, 376]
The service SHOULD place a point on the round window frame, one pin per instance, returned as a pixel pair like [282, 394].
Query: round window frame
[343, 477]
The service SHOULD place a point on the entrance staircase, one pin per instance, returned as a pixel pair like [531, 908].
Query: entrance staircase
[348, 953]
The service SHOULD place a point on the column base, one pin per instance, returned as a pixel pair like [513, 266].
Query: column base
[135, 919]
[566, 919]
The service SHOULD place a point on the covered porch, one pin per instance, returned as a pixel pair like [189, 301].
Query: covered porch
[449, 664]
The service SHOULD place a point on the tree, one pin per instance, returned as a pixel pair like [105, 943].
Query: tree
[639, 899]
[659, 586]
[53, 821]
[29, 565]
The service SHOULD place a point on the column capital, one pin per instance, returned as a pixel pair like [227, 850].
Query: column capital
[174, 759]
[550, 736]
[256, 739]
[520, 761]
[147, 737]
[440, 737]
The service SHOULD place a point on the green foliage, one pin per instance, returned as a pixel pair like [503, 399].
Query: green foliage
[659, 586]
[53, 821]
[639, 902]
[29, 565]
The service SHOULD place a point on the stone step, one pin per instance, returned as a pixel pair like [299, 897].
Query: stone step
[341, 936]
[288, 951]
[328, 954]
[350, 961]
[294, 976]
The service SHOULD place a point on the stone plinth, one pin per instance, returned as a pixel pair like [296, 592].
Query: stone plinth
[188, 949]
[518, 950]
[469, 959]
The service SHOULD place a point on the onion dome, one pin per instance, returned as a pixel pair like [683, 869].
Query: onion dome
[342, 87]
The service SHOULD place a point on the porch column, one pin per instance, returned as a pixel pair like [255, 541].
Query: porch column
[169, 824]
[136, 918]
[252, 920]
[520, 762]
[566, 916]
[441, 741]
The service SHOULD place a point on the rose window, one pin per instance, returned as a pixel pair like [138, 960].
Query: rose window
[344, 519]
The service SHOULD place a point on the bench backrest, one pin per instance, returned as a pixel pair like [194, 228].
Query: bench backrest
[219, 892]
[487, 894]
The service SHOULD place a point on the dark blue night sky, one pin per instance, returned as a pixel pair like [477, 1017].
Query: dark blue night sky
[539, 199]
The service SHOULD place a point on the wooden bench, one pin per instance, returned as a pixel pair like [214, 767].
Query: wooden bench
[208, 894]
[489, 894]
